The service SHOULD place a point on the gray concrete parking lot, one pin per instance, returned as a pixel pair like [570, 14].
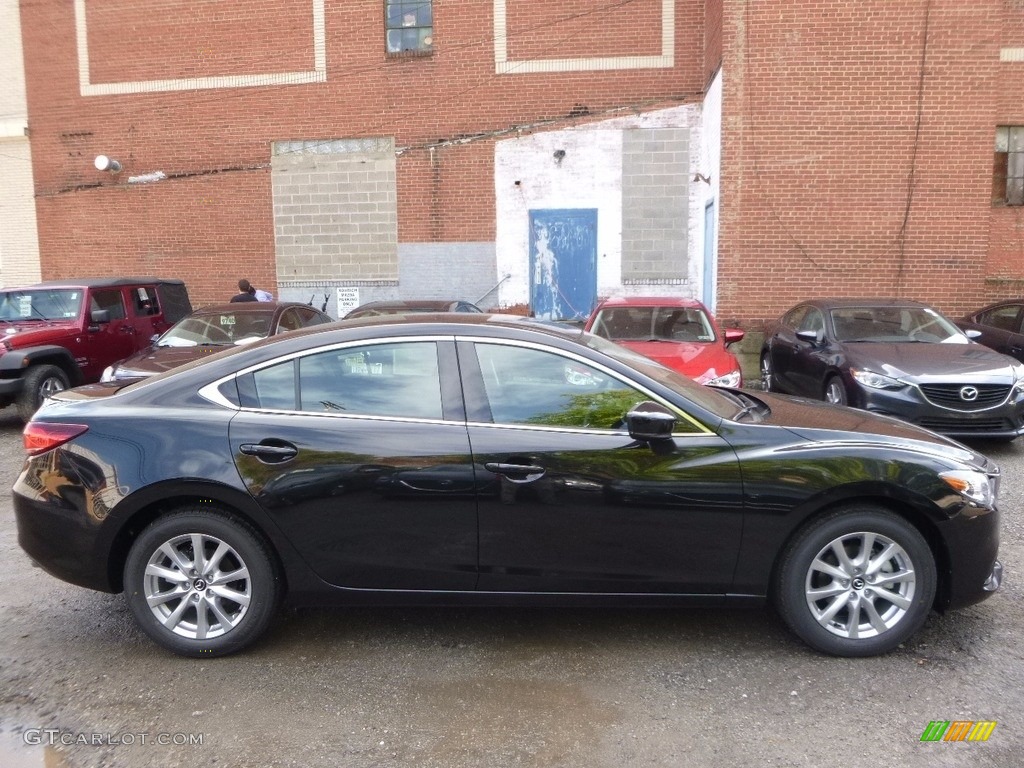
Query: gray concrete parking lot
[80, 686]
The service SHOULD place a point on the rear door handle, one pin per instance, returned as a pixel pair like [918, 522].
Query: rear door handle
[272, 454]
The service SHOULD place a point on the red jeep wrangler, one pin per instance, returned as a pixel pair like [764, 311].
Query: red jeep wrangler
[59, 334]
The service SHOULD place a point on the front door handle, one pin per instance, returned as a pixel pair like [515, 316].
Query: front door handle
[515, 471]
[272, 454]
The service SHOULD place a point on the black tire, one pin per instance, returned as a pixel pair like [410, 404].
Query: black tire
[864, 622]
[835, 391]
[206, 606]
[40, 382]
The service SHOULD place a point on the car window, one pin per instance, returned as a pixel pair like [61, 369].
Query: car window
[49, 304]
[308, 316]
[535, 387]
[174, 301]
[794, 317]
[398, 379]
[1005, 317]
[110, 300]
[812, 321]
[289, 321]
[144, 301]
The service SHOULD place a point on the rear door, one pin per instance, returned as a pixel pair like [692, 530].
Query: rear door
[570, 503]
[1000, 329]
[361, 455]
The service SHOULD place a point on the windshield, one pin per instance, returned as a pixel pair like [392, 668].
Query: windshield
[706, 397]
[654, 324]
[41, 304]
[218, 329]
[895, 324]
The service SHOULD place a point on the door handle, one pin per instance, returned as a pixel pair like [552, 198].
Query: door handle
[518, 471]
[127, 329]
[271, 454]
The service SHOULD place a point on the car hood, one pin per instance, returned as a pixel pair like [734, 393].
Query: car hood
[819, 422]
[35, 332]
[932, 362]
[702, 362]
[153, 360]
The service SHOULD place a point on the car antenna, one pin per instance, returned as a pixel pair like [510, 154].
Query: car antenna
[327, 296]
[311, 300]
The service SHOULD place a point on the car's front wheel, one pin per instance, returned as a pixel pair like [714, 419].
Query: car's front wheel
[835, 391]
[857, 582]
[201, 582]
[41, 382]
[766, 371]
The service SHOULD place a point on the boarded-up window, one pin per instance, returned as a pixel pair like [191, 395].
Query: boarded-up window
[1008, 166]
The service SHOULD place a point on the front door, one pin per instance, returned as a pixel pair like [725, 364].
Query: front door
[563, 263]
[570, 503]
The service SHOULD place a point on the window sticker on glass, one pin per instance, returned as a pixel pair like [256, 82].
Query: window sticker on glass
[227, 319]
[25, 306]
[356, 364]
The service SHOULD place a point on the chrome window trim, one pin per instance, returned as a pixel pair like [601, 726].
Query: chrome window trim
[211, 392]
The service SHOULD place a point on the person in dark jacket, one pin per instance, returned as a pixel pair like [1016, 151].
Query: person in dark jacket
[248, 293]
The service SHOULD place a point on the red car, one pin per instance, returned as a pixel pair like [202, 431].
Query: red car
[681, 334]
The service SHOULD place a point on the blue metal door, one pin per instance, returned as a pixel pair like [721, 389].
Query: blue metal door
[709, 256]
[563, 263]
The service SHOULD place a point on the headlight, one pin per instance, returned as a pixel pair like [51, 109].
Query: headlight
[974, 486]
[1018, 375]
[108, 374]
[734, 379]
[876, 380]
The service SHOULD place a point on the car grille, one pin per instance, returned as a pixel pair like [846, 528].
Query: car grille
[960, 426]
[948, 395]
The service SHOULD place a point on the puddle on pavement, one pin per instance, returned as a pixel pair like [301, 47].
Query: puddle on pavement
[18, 752]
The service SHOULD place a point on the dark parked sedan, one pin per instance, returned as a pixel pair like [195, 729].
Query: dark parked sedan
[418, 306]
[211, 329]
[476, 459]
[898, 358]
[999, 326]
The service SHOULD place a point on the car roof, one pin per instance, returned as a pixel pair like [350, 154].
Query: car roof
[651, 301]
[250, 307]
[840, 303]
[440, 305]
[100, 282]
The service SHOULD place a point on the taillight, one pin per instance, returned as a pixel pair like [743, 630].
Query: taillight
[41, 436]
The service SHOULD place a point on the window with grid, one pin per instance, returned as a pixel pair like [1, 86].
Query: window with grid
[410, 26]
[1008, 168]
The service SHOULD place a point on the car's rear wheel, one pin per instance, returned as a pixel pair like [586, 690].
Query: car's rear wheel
[201, 583]
[41, 382]
[835, 391]
[766, 372]
[857, 582]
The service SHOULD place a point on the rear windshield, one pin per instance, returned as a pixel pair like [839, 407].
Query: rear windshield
[654, 324]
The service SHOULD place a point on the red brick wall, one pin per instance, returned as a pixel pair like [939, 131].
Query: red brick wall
[828, 185]
[1005, 265]
[208, 140]
[712, 38]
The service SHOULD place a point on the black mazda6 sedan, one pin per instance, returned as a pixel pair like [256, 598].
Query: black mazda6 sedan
[486, 460]
[898, 358]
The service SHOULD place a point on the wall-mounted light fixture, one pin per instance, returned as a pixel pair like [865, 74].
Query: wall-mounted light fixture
[559, 156]
[104, 163]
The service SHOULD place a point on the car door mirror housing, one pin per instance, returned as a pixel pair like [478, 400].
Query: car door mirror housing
[814, 337]
[650, 421]
[972, 333]
[732, 335]
[100, 316]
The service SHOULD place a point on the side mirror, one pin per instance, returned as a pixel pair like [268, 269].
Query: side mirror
[972, 333]
[814, 337]
[100, 316]
[732, 335]
[650, 421]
